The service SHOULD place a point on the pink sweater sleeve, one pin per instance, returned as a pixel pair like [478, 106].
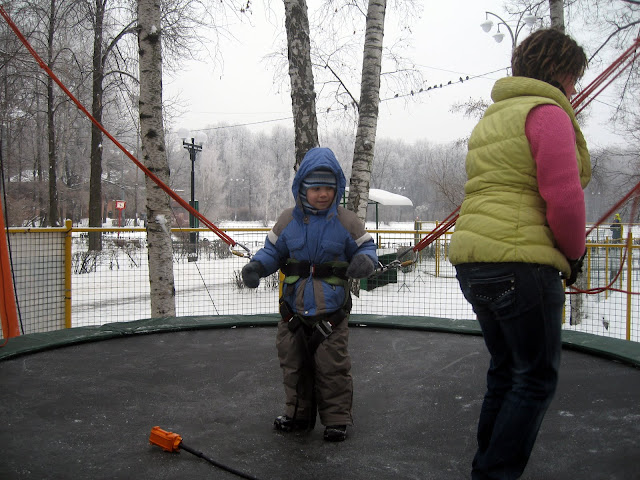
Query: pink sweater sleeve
[553, 146]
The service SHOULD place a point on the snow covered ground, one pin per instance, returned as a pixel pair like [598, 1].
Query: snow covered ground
[118, 288]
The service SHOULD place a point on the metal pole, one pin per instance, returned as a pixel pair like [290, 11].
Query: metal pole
[192, 155]
[192, 255]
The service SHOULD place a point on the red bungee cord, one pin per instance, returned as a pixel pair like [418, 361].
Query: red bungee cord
[223, 236]
[629, 56]
[579, 102]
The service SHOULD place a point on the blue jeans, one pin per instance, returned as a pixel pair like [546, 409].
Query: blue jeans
[519, 308]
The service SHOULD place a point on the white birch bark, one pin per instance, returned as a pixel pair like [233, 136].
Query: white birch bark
[556, 10]
[303, 96]
[368, 110]
[155, 159]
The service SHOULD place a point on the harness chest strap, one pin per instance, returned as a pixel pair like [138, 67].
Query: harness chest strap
[333, 273]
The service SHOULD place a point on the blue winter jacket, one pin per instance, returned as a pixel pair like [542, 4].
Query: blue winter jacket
[335, 234]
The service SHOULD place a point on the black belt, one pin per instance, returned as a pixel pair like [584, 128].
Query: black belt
[304, 269]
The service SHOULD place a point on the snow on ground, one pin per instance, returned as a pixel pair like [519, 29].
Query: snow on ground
[118, 290]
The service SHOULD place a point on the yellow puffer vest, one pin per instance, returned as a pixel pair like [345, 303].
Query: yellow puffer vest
[503, 216]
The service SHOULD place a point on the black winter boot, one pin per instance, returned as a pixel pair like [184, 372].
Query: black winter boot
[285, 423]
[335, 433]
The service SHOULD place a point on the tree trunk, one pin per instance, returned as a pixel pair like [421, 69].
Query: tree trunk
[368, 110]
[556, 9]
[155, 159]
[303, 96]
[576, 312]
[51, 130]
[95, 181]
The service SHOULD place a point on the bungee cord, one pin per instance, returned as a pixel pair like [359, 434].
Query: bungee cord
[222, 235]
[624, 61]
[579, 102]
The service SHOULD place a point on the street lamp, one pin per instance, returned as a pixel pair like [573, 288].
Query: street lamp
[193, 149]
[525, 19]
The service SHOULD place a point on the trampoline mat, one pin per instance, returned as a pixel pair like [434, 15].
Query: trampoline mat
[86, 411]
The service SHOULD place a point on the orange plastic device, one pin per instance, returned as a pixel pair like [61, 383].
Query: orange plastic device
[168, 441]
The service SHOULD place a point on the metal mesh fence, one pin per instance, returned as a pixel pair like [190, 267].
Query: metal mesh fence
[113, 286]
[613, 311]
[38, 263]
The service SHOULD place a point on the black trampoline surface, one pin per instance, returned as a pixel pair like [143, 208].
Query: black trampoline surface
[85, 411]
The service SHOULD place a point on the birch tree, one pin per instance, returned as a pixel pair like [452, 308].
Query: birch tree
[368, 110]
[556, 14]
[303, 96]
[154, 157]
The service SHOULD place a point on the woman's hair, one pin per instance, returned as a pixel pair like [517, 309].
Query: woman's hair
[548, 54]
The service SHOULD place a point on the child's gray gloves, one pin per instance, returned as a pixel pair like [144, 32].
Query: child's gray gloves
[361, 266]
[251, 274]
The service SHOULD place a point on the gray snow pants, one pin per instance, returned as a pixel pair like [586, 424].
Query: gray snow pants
[331, 376]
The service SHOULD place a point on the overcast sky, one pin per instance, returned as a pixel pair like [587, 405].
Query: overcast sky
[448, 43]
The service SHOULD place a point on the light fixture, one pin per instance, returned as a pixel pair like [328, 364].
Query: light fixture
[486, 25]
[529, 20]
[184, 134]
[498, 37]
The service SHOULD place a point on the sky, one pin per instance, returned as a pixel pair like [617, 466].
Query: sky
[448, 43]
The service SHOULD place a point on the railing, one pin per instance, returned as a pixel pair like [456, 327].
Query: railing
[61, 284]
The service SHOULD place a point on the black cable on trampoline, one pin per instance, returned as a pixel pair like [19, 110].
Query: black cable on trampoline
[76, 406]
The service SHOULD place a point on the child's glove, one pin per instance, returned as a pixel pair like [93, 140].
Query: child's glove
[361, 266]
[251, 274]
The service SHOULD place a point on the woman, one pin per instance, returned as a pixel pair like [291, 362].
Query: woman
[522, 226]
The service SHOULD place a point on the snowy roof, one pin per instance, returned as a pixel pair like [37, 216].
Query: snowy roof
[387, 198]
[383, 197]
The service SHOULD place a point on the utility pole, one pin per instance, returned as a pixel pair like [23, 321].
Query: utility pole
[193, 148]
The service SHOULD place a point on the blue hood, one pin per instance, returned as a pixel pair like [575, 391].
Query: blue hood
[314, 159]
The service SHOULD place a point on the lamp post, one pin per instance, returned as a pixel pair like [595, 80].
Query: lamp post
[524, 19]
[193, 149]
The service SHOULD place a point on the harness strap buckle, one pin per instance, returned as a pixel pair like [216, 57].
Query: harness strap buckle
[324, 327]
[293, 323]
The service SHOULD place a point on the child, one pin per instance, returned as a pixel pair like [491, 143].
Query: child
[317, 245]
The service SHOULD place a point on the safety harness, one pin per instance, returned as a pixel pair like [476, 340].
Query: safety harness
[312, 331]
[320, 326]
[315, 329]
[333, 273]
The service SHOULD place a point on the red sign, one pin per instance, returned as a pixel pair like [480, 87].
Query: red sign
[120, 204]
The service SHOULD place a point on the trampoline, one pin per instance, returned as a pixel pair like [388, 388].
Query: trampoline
[81, 403]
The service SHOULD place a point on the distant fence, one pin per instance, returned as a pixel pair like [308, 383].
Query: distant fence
[61, 284]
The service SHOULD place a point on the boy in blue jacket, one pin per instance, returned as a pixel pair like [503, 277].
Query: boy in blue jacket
[318, 245]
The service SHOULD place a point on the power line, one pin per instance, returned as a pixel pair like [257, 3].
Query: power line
[396, 96]
[243, 124]
[450, 83]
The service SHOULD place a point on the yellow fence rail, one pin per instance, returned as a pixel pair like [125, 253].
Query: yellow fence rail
[60, 283]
